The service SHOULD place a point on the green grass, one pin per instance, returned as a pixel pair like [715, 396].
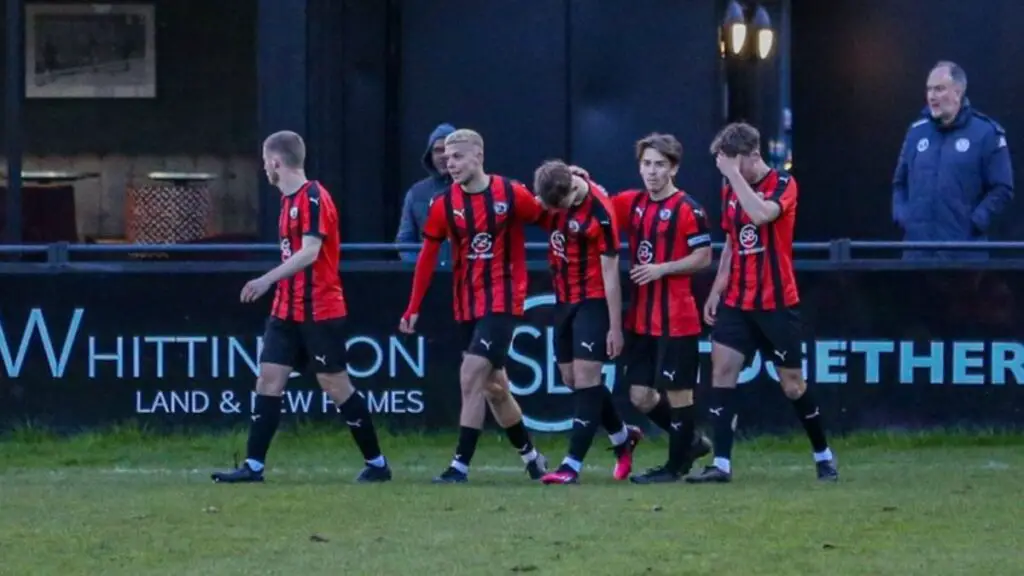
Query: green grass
[134, 503]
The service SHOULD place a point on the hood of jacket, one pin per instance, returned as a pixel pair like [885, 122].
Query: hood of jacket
[439, 133]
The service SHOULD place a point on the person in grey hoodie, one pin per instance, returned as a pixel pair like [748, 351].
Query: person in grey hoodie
[417, 199]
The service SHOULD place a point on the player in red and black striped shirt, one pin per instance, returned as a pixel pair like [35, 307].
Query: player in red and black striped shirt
[753, 304]
[307, 321]
[483, 216]
[584, 258]
[668, 243]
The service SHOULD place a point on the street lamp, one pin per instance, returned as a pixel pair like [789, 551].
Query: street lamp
[736, 30]
[765, 34]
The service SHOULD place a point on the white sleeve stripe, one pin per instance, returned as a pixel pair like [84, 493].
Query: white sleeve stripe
[697, 240]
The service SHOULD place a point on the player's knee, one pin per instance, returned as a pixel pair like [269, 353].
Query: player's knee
[725, 373]
[496, 390]
[271, 384]
[568, 377]
[643, 398]
[587, 374]
[473, 372]
[792, 382]
[338, 386]
[679, 398]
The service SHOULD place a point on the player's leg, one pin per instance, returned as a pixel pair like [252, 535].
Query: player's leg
[281, 351]
[495, 336]
[582, 353]
[783, 335]
[640, 357]
[472, 413]
[326, 342]
[732, 342]
[509, 415]
[581, 340]
[564, 315]
[677, 370]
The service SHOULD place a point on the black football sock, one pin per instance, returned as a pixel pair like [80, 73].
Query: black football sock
[266, 415]
[589, 403]
[465, 449]
[610, 419]
[810, 416]
[680, 439]
[520, 440]
[723, 410]
[357, 416]
[661, 414]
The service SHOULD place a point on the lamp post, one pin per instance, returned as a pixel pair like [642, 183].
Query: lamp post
[736, 32]
[764, 34]
[747, 42]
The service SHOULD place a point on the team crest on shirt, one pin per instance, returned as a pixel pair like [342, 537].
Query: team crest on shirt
[558, 245]
[963, 145]
[500, 208]
[922, 144]
[665, 214]
[481, 244]
[749, 240]
[574, 226]
[293, 213]
[645, 252]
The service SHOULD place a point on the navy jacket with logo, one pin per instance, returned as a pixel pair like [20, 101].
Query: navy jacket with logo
[952, 181]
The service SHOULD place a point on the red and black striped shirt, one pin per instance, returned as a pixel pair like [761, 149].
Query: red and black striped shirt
[761, 275]
[662, 231]
[314, 293]
[488, 245]
[579, 236]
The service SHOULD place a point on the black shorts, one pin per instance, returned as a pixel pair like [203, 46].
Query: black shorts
[581, 331]
[316, 346]
[777, 334]
[489, 337]
[665, 362]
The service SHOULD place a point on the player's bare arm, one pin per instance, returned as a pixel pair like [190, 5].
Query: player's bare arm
[291, 266]
[719, 285]
[613, 295]
[688, 265]
[759, 210]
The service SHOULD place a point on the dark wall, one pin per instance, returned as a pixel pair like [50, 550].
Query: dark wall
[206, 92]
[574, 79]
[859, 71]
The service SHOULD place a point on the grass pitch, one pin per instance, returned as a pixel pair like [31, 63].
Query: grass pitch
[127, 502]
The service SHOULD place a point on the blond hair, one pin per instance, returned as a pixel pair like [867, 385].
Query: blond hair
[465, 136]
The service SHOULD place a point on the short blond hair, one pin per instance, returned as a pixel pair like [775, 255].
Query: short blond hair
[289, 146]
[465, 136]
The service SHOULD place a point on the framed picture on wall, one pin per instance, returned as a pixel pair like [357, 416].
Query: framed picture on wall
[90, 51]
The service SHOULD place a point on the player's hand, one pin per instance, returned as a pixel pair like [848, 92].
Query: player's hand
[711, 308]
[578, 171]
[646, 273]
[253, 289]
[726, 165]
[408, 324]
[614, 343]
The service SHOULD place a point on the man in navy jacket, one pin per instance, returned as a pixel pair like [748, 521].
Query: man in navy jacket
[954, 175]
[417, 199]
